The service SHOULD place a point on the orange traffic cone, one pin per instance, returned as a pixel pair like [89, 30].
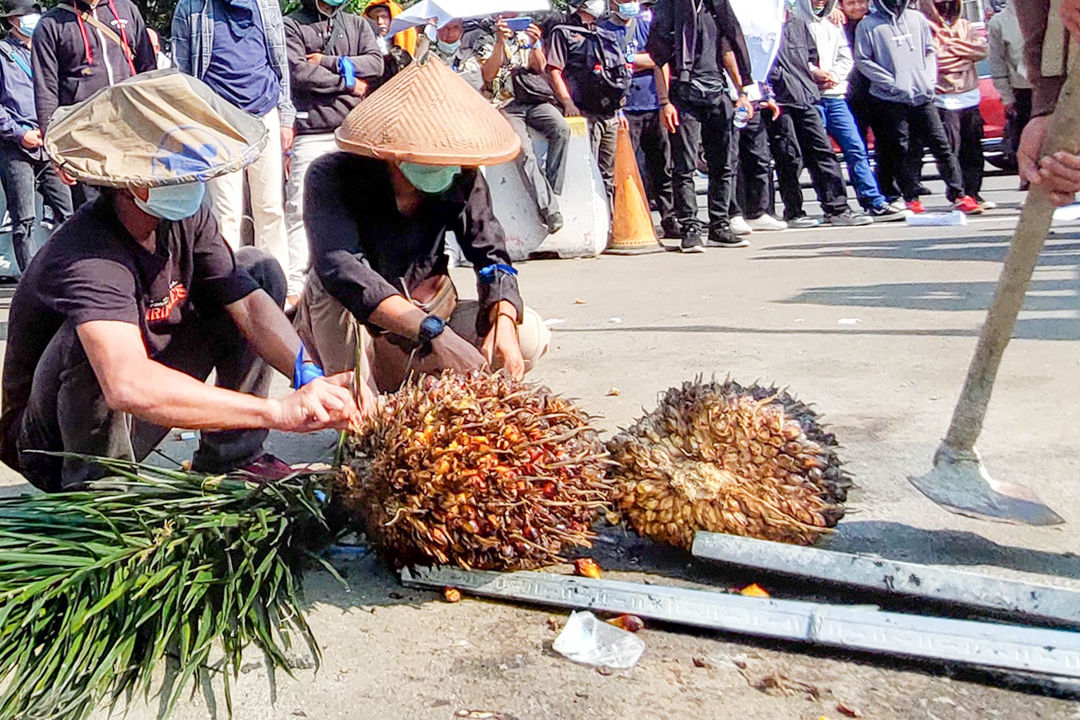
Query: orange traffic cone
[632, 231]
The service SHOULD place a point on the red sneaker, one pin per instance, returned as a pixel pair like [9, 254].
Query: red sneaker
[267, 468]
[968, 205]
[916, 207]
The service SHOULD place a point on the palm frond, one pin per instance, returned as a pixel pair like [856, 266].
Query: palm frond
[97, 587]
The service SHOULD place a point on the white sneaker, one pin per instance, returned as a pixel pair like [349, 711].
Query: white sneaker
[739, 226]
[767, 223]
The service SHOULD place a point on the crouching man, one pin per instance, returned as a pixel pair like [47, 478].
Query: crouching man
[133, 302]
[377, 217]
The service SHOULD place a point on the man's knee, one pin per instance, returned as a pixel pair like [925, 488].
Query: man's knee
[265, 271]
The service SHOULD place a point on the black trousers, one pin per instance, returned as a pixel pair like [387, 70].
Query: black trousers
[708, 127]
[914, 127]
[67, 409]
[1015, 122]
[887, 164]
[799, 136]
[751, 162]
[964, 128]
[23, 177]
[650, 136]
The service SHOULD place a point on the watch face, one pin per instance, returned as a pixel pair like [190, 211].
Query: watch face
[431, 327]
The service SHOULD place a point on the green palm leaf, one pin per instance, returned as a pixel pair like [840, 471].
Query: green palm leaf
[97, 587]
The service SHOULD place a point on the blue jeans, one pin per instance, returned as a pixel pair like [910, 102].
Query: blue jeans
[840, 123]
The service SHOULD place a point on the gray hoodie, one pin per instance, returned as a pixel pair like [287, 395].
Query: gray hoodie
[894, 49]
[834, 53]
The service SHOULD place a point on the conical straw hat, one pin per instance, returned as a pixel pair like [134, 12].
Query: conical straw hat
[427, 114]
[158, 128]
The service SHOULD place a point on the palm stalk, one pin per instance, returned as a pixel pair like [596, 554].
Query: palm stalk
[98, 587]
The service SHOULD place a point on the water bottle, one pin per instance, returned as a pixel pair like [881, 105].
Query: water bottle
[742, 117]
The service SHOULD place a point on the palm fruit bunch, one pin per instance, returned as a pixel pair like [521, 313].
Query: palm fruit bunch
[480, 470]
[721, 457]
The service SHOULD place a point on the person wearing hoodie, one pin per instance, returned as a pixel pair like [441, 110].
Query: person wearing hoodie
[24, 167]
[81, 47]
[333, 54]
[698, 40]
[894, 49]
[834, 66]
[958, 48]
[798, 136]
[1045, 53]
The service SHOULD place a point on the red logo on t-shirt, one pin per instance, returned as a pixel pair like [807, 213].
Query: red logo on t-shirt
[160, 310]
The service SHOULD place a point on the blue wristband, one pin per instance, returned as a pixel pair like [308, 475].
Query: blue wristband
[304, 372]
[488, 274]
[348, 71]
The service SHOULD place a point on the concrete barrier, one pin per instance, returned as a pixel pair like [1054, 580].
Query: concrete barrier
[583, 204]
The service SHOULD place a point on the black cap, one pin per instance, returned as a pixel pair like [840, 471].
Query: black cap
[17, 8]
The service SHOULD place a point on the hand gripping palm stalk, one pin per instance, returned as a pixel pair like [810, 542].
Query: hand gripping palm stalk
[98, 587]
[959, 482]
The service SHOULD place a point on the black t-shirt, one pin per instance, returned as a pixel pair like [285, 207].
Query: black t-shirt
[92, 269]
[568, 49]
[707, 53]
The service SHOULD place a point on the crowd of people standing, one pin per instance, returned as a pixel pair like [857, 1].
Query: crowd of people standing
[676, 73]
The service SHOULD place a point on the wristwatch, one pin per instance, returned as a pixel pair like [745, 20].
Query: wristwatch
[431, 327]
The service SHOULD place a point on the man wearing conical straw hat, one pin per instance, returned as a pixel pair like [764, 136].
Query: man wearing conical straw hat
[377, 217]
[133, 302]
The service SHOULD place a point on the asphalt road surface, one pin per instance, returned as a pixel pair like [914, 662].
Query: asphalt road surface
[874, 325]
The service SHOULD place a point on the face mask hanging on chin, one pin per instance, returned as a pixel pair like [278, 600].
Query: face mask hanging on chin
[430, 179]
[173, 202]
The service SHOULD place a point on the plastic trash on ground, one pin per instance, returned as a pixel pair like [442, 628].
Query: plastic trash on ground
[937, 219]
[588, 640]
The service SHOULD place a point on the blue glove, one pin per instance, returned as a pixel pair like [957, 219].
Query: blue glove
[489, 273]
[304, 371]
[347, 70]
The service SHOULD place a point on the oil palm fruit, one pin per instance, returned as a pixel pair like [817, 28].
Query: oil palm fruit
[481, 471]
[722, 457]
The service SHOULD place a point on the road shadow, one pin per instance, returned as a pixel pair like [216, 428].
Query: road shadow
[1062, 249]
[896, 541]
[1043, 296]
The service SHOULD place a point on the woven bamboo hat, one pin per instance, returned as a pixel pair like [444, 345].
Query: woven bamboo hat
[427, 114]
[158, 128]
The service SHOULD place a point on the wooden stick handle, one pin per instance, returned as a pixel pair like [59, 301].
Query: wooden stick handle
[1035, 220]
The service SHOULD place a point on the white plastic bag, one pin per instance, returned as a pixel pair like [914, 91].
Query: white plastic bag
[586, 639]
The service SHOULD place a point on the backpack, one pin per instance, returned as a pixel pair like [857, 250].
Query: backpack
[600, 72]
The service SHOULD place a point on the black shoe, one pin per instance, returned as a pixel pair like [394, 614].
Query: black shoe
[923, 190]
[671, 230]
[554, 223]
[691, 242]
[848, 219]
[725, 239]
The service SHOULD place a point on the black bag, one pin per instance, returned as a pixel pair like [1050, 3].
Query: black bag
[602, 77]
[531, 88]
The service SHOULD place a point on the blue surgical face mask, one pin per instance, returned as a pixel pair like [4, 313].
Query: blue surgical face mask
[27, 23]
[628, 10]
[173, 202]
[449, 48]
[430, 179]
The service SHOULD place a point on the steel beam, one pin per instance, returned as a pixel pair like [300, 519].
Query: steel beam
[991, 645]
[1016, 600]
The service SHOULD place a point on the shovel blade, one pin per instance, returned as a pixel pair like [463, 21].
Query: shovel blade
[964, 487]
